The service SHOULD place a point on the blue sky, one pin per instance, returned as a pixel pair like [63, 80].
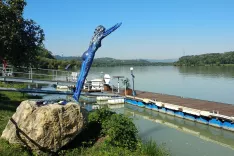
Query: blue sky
[153, 29]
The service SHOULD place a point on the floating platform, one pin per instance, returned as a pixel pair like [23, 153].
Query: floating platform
[116, 101]
[201, 105]
[103, 98]
[216, 114]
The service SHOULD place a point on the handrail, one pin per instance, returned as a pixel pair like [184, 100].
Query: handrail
[39, 75]
[32, 73]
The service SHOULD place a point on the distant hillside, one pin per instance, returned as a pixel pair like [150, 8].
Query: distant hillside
[206, 59]
[108, 59]
[109, 62]
[164, 60]
[58, 57]
[101, 59]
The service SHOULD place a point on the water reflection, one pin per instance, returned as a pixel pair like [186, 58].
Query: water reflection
[208, 71]
[205, 132]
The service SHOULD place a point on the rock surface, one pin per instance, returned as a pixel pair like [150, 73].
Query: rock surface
[45, 127]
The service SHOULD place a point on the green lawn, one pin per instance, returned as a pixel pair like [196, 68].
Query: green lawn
[9, 101]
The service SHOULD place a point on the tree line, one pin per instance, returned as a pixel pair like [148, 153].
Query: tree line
[207, 59]
[62, 62]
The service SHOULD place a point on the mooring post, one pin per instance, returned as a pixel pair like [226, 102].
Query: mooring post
[125, 88]
[118, 84]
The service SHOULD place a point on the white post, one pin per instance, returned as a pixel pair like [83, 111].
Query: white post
[125, 89]
[52, 74]
[31, 74]
[118, 84]
[102, 86]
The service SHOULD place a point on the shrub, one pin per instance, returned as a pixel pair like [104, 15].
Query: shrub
[120, 131]
[126, 82]
[100, 115]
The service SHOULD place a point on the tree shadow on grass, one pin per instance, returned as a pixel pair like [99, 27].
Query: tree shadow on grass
[86, 138]
[7, 104]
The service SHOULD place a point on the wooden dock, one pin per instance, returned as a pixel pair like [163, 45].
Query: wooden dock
[217, 107]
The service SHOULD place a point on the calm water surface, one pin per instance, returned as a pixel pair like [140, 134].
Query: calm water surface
[207, 83]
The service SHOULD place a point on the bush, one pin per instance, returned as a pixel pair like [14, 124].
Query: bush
[120, 131]
[100, 115]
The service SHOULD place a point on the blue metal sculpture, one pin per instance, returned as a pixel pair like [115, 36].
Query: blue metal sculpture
[87, 57]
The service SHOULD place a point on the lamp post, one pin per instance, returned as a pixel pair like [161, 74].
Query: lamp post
[133, 91]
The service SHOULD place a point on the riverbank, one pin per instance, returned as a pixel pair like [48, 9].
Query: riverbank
[218, 59]
[96, 139]
[200, 65]
[75, 63]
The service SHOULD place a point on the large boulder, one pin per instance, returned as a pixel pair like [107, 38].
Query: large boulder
[45, 127]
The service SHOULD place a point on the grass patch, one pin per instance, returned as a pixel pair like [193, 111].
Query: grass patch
[104, 149]
[9, 101]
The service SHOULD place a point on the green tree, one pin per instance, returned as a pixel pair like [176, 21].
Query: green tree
[19, 38]
[43, 52]
[207, 59]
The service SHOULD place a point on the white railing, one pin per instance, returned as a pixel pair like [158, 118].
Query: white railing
[47, 75]
[37, 73]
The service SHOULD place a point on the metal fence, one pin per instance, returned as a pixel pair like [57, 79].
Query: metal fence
[46, 76]
[38, 73]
